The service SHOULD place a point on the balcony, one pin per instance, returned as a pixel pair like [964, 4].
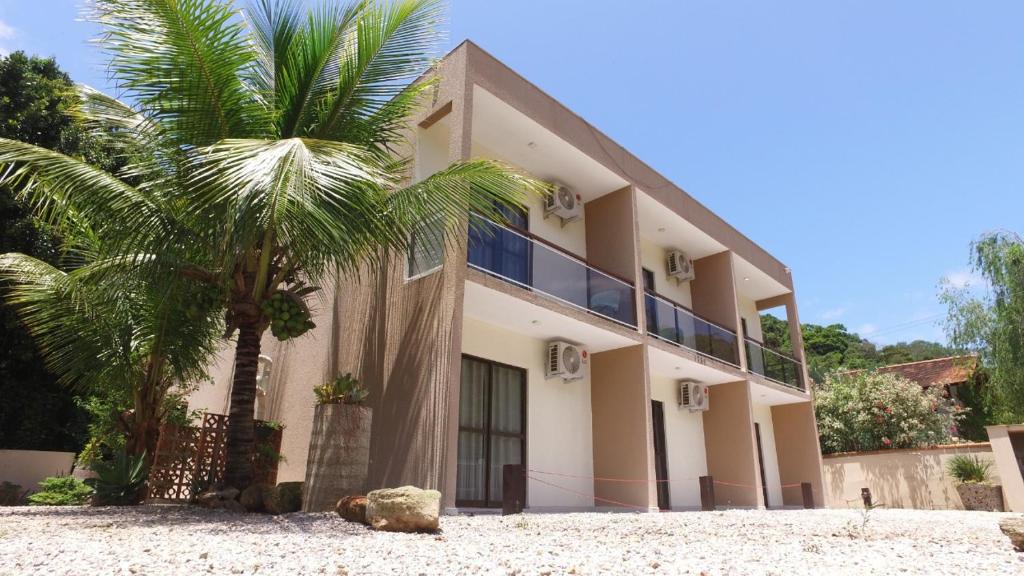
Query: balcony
[773, 365]
[525, 260]
[675, 323]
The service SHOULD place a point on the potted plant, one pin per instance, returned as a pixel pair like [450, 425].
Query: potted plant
[973, 486]
[339, 446]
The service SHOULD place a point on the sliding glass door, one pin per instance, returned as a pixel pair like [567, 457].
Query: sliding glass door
[492, 429]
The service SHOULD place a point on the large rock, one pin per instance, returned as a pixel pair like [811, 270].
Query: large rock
[352, 508]
[284, 498]
[252, 497]
[981, 496]
[1014, 530]
[405, 509]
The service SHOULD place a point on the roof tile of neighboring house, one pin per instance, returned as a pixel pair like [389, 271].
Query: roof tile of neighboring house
[937, 372]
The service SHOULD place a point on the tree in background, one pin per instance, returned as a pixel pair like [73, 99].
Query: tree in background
[992, 325]
[872, 411]
[36, 413]
[833, 348]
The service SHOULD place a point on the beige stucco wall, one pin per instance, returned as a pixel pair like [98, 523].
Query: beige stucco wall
[899, 478]
[27, 468]
[729, 442]
[798, 452]
[684, 439]
[621, 412]
[653, 258]
[1009, 462]
[555, 410]
[763, 416]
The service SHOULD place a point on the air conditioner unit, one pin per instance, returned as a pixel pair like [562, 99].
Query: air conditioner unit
[566, 360]
[679, 266]
[564, 203]
[693, 395]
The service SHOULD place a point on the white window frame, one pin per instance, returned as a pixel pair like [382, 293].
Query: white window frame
[434, 221]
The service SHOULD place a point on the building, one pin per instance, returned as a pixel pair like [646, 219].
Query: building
[455, 345]
[950, 372]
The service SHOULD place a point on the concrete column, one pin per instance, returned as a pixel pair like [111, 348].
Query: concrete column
[1008, 451]
[796, 337]
[730, 446]
[713, 292]
[798, 451]
[622, 434]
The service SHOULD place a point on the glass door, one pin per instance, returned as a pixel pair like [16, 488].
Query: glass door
[492, 429]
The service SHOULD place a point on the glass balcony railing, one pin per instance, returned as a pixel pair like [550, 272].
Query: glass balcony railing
[676, 324]
[529, 262]
[774, 365]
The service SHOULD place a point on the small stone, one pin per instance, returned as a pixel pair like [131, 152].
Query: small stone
[284, 498]
[229, 493]
[207, 498]
[352, 508]
[204, 555]
[405, 509]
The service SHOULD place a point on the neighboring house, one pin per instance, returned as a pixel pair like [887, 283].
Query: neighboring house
[456, 345]
[950, 372]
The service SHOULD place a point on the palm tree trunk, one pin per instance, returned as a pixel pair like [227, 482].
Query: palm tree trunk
[241, 429]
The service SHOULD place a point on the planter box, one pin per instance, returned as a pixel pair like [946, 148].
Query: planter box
[976, 496]
[339, 455]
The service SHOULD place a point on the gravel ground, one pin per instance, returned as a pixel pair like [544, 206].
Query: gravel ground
[185, 540]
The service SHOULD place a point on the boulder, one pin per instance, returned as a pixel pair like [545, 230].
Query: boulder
[228, 493]
[284, 498]
[405, 509]
[232, 506]
[352, 508]
[252, 497]
[1014, 530]
[981, 496]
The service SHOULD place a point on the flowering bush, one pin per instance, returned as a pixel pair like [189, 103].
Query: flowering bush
[872, 411]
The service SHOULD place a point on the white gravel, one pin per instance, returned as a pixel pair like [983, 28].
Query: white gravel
[185, 540]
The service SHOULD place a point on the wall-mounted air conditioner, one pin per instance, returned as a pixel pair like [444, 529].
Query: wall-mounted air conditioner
[566, 360]
[564, 203]
[679, 266]
[693, 395]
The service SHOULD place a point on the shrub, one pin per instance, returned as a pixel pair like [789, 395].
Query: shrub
[873, 411]
[119, 481]
[61, 491]
[342, 390]
[966, 469]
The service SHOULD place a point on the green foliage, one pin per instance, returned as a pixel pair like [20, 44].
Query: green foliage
[344, 389]
[833, 348]
[61, 491]
[872, 411]
[993, 325]
[966, 468]
[119, 481]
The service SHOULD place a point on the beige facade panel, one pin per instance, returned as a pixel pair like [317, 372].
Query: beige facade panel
[798, 452]
[729, 444]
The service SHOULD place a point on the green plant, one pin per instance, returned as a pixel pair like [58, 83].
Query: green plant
[344, 389]
[61, 491]
[119, 481]
[876, 411]
[965, 468]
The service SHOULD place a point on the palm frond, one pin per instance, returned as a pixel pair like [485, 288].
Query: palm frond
[394, 44]
[183, 62]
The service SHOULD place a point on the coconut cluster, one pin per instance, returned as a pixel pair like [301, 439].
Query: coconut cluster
[289, 317]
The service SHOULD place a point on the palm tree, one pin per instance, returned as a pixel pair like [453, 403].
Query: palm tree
[114, 333]
[272, 139]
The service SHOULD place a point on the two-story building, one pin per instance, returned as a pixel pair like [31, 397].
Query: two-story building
[652, 296]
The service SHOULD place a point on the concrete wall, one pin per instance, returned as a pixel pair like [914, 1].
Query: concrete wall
[623, 442]
[27, 468]
[748, 311]
[798, 451]
[899, 478]
[1008, 451]
[684, 439]
[763, 416]
[555, 410]
[729, 442]
[610, 222]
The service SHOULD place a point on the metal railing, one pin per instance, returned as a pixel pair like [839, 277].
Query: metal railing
[774, 365]
[678, 325]
[529, 262]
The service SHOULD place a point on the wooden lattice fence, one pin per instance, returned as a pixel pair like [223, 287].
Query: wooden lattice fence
[190, 459]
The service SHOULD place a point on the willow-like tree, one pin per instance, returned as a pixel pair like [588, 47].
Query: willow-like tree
[273, 137]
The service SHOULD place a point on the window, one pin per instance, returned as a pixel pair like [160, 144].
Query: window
[426, 249]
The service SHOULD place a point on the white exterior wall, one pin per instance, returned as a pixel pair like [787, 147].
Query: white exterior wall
[684, 441]
[652, 257]
[763, 416]
[558, 422]
[748, 310]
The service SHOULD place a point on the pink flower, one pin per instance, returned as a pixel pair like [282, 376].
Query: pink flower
[886, 441]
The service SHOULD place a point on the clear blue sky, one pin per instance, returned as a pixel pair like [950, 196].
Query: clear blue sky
[865, 144]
